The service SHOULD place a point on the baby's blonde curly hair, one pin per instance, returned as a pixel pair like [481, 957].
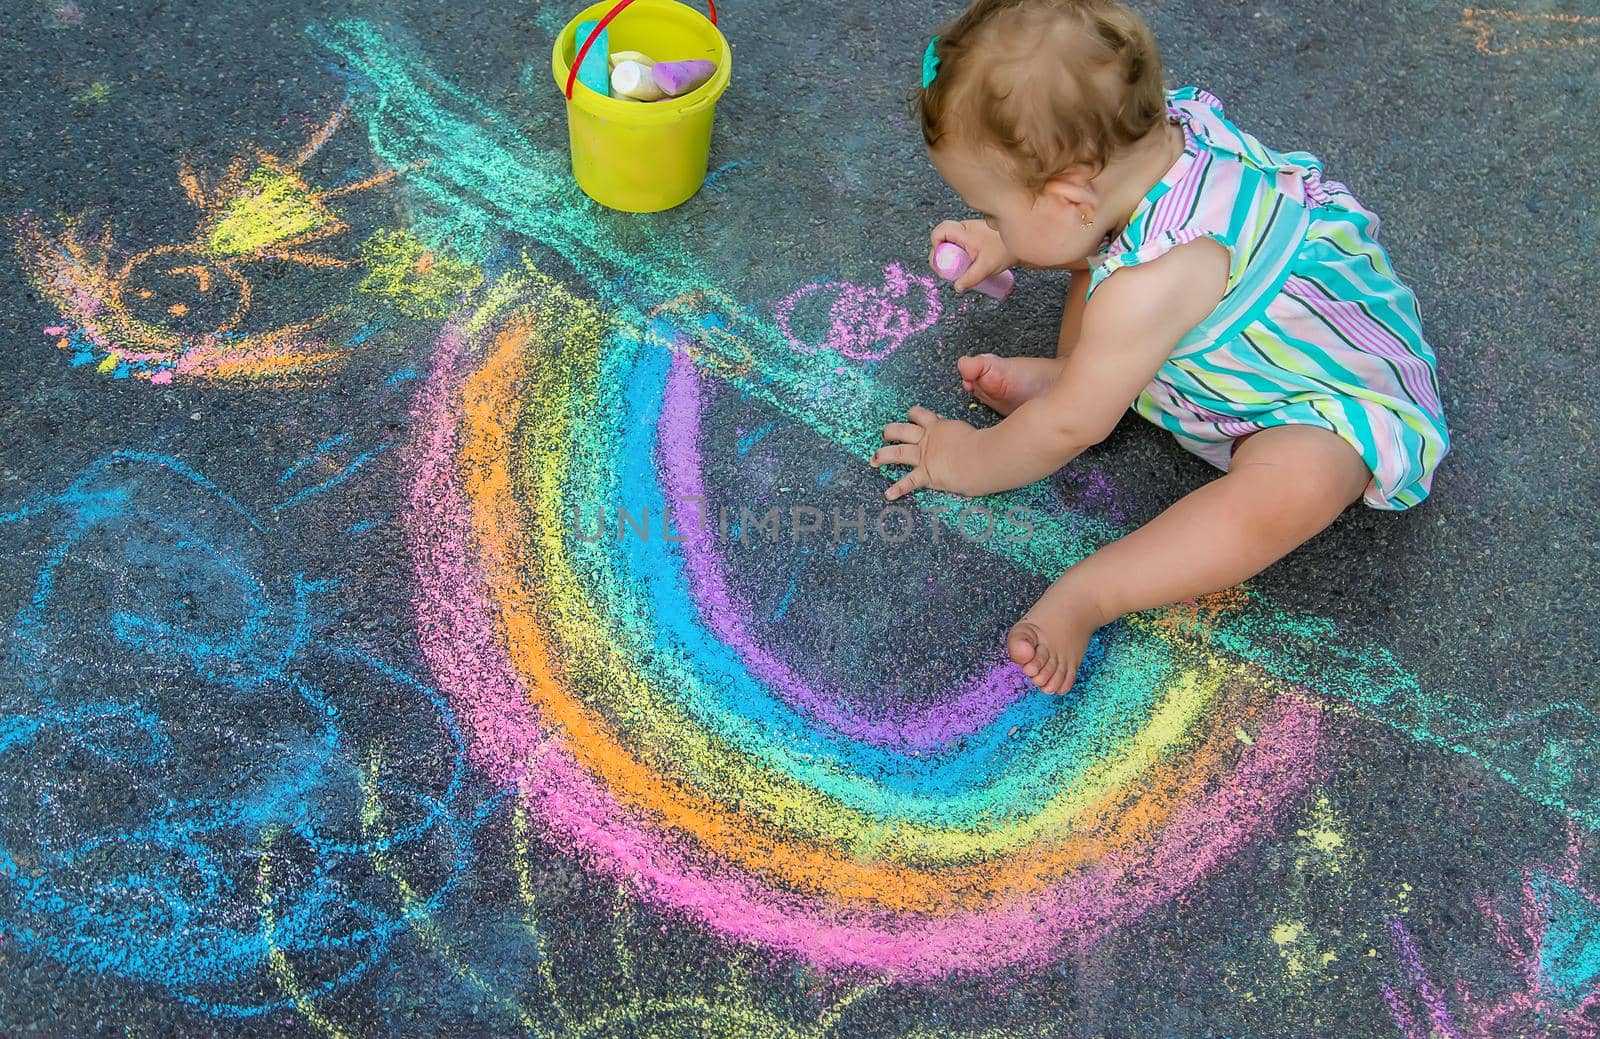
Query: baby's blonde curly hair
[1049, 83]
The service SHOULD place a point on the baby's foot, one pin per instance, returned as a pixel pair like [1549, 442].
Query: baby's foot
[1005, 382]
[1050, 639]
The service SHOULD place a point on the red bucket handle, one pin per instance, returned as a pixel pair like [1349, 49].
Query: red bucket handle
[577, 61]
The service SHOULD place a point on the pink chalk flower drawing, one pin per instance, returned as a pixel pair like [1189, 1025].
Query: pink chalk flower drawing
[865, 324]
[1552, 942]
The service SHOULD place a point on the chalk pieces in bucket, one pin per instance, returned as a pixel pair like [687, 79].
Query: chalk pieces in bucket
[637, 77]
[950, 261]
[593, 72]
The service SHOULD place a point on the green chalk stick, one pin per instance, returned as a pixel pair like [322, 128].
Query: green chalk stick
[595, 72]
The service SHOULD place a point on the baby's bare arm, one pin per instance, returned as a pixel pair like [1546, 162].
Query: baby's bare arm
[1072, 315]
[1130, 330]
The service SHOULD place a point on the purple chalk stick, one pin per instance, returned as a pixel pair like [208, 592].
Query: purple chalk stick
[950, 260]
[679, 77]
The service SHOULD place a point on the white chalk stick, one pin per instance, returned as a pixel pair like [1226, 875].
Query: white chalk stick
[631, 79]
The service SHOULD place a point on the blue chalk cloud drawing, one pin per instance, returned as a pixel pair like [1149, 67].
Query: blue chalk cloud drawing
[191, 760]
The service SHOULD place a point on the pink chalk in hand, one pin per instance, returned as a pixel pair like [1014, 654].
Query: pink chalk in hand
[950, 261]
[676, 78]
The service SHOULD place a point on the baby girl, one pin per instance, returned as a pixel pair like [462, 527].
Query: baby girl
[1223, 290]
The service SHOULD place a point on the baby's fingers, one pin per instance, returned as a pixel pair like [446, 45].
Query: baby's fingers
[906, 484]
[896, 454]
[905, 432]
[948, 231]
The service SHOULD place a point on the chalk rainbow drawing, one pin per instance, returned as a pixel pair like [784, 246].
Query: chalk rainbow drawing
[175, 310]
[497, 180]
[655, 739]
[686, 759]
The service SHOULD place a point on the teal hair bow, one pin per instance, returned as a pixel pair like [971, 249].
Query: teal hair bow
[930, 63]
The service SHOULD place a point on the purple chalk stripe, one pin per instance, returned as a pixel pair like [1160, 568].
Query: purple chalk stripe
[984, 698]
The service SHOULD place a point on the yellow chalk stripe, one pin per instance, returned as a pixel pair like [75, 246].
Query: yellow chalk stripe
[416, 910]
[277, 962]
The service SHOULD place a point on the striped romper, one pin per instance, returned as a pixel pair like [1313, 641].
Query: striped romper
[1314, 325]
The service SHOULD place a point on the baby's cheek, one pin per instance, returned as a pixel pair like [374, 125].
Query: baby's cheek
[1033, 247]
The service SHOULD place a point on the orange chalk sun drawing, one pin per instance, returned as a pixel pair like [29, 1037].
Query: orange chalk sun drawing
[172, 311]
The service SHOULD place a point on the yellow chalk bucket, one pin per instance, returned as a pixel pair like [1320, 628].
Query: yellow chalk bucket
[642, 156]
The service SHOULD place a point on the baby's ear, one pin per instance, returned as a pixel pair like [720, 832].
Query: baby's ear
[1071, 186]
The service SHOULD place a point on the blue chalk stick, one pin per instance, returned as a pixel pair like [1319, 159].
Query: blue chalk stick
[595, 72]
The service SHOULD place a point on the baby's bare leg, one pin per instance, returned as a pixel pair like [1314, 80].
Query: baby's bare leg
[1004, 383]
[1286, 484]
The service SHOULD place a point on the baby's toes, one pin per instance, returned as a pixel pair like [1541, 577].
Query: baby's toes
[1022, 644]
[1045, 662]
[971, 366]
[1067, 676]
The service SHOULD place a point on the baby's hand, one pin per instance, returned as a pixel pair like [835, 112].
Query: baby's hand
[937, 449]
[982, 243]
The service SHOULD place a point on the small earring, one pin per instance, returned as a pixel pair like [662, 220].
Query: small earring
[1085, 219]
